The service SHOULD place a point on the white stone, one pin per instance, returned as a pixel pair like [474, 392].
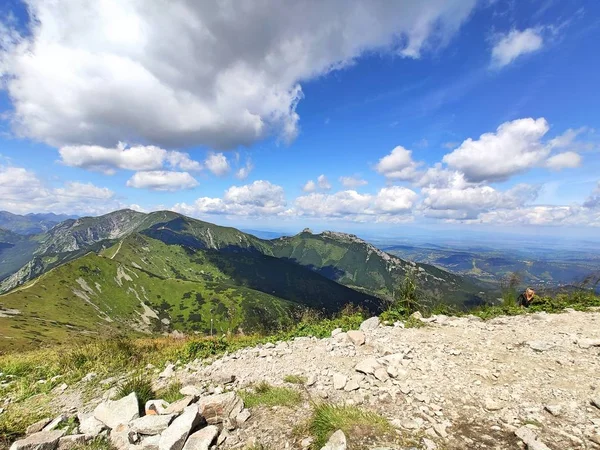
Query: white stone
[114, 412]
[174, 437]
[168, 372]
[337, 441]
[367, 366]
[201, 440]
[335, 332]
[216, 408]
[339, 381]
[43, 440]
[356, 337]
[151, 424]
[90, 425]
[370, 324]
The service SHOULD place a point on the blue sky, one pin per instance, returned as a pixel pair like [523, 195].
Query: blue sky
[456, 115]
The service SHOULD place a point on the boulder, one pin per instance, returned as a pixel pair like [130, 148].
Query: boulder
[381, 374]
[114, 412]
[191, 390]
[339, 381]
[156, 407]
[55, 423]
[179, 405]
[370, 324]
[149, 443]
[174, 437]
[337, 441]
[595, 401]
[38, 426]
[122, 438]
[201, 440]
[587, 343]
[356, 337]
[336, 332]
[530, 439]
[242, 417]
[367, 366]
[168, 372]
[216, 408]
[152, 424]
[540, 346]
[42, 440]
[90, 425]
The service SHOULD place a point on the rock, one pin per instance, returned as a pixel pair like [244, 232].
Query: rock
[156, 407]
[417, 315]
[114, 412]
[311, 380]
[440, 430]
[179, 405]
[122, 437]
[149, 443]
[335, 332]
[168, 372]
[90, 426]
[595, 438]
[55, 423]
[392, 371]
[492, 405]
[42, 440]
[216, 408]
[540, 346]
[89, 377]
[595, 401]
[367, 366]
[201, 440]
[152, 424]
[356, 337]
[530, 439]
[428, 444]
[191, 390]
[175, 436]
[73, 441]
[587, 343]
[353, 384]
[339, 381]
[242, 417]
[381, 374]
[337, 441]
[38, 426]
[555, 410]
[370, 324]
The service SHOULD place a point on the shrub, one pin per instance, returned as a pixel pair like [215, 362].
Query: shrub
[294, 379]
[142, 388]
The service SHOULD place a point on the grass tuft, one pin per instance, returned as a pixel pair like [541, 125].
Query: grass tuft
[170, 393]
[295, 379]
[95, 444]
[142, 388]
[353, 421]
[263, 394]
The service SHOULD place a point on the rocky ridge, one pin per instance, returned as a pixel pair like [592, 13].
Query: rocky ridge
[529, 381]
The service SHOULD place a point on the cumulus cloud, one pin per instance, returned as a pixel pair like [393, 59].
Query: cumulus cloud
[398, 165]
[310, 186]
[162, 180]
[352, 182]
[350, 205]
[515, 147]
[229, 76]
[22, 191]
[514, 44]
[593, 201]
[217, 163]
[243, 172]
[566, 160]
[260, 198]
[323, 182]
[139, 157]
[543, 215]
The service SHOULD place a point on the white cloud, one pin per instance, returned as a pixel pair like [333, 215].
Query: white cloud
[217, 163]
[243, 172]
[21, 192]
[543, 216]
[350, 205]
[515, 147]
[229, 76]
[398, 165]
[566, 160]
[139, 157]
[468, 202]
[310, 186]
[352, 182]
[593, 201]
[323, 182]
[260, 198]
[514, 44]
[162, 180]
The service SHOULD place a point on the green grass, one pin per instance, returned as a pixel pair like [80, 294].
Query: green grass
[295, 379]
[95, 444]
[142, 388]
[171, 393]
[263, 394]
[353, 421]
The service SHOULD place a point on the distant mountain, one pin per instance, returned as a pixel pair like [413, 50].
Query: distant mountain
[127, 272]
[349, 260]
[30, 223]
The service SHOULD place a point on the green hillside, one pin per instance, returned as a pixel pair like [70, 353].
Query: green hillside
[95, 296]
[353, 262]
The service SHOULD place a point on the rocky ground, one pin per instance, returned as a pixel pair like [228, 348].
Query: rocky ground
[530, 381]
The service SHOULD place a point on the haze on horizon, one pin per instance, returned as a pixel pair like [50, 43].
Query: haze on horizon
[458, 116]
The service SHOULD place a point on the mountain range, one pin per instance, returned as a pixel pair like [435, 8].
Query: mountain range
[128, 272]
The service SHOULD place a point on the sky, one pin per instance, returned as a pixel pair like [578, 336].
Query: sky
[354, 115]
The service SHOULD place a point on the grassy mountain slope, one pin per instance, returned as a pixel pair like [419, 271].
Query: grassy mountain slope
[251, 269]
[30, 223]
[358, 264]
[93, 296]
